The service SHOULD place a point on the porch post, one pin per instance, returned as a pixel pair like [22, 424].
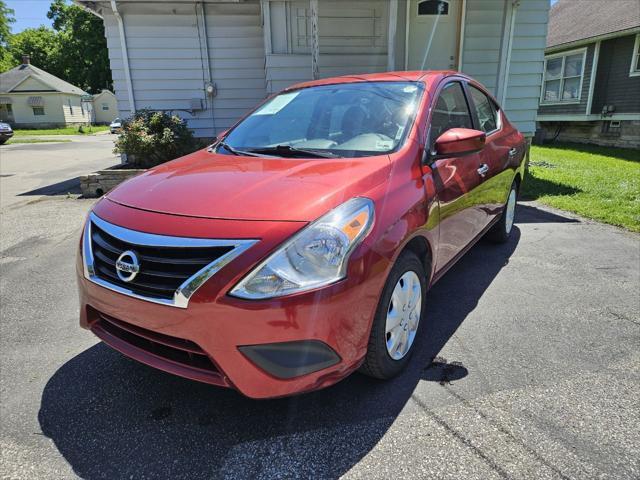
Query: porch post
[391, 37]
[315, 41]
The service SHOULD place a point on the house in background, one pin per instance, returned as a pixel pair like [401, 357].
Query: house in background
[211, 61]
[591, 85]
[105, 108]
[33, 98]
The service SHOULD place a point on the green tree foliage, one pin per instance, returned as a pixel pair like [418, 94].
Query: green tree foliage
[6, 19]
[84, 53]
[43, 45]
[75, 50]
[150, 138]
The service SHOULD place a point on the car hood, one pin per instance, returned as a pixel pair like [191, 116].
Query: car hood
[210, 185]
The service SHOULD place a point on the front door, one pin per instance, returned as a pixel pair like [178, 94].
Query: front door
[456, 179]
[434, 30]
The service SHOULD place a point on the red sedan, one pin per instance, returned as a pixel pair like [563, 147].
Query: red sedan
[301, 245]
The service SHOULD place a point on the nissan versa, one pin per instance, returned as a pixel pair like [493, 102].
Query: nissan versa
[300, 246]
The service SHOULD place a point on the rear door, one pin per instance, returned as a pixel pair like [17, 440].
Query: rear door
[456, 179]
[495, 157]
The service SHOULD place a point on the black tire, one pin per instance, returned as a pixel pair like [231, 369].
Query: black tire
[378, 363]
[501, 231]
[3, 141]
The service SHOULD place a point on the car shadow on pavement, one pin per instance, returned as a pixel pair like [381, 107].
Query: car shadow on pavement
[71, 186]
[111, 417]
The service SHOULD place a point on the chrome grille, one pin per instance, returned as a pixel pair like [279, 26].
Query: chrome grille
[171, 268]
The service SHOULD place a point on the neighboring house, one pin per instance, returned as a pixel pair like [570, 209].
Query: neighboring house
[211, 61]
[105, 107]
[33, 98]
[591, 86]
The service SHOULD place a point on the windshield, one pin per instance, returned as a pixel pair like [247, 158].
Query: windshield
[346, 120]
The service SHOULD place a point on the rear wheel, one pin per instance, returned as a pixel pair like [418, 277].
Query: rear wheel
[501, 231]
[397, 320]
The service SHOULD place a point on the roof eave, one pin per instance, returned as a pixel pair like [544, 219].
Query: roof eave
[585, 41]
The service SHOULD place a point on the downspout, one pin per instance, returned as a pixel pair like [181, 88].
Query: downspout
[125, 56]
[507, 44]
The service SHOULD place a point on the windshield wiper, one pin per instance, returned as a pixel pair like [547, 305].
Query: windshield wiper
[231, 150]
[289, 151]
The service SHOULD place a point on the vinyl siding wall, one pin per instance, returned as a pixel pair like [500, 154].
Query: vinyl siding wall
[166, 48]
[614, 85]
[526, 63]
[74, 112]
[484, 49]
[105, 116]
[353, 39]
[23, 113]
[483, 40]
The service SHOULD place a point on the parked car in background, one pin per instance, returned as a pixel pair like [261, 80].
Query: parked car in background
[6, 132]
[301, 245]
[115, 126]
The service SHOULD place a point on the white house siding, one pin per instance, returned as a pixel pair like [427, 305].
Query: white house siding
[74, 112]
[23, 113]
[486, 45]
[107, 99]
[352, 40]
[482, 40]
[166, 49]
[527, 60]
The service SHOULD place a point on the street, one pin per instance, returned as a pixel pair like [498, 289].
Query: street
[32, 169]
[536, 370]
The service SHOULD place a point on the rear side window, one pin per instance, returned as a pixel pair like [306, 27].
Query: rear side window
[487, 114]
[451, 111]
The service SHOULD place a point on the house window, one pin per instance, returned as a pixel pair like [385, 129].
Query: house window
[105, 106]
[38, 111]
[635, 59]
[563, 74]
[433, 7]
[9, 108]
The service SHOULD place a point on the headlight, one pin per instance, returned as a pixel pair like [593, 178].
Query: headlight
[315, 257]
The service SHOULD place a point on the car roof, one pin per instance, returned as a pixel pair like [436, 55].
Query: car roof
[425, 76]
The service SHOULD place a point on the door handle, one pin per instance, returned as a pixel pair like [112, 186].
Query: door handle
[513, 152]
[482, 171]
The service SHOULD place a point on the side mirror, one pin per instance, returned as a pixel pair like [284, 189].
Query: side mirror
[457, 142]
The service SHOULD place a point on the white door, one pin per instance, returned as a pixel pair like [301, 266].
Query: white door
[434, 28]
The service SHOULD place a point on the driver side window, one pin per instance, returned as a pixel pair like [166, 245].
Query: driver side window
[451, 111]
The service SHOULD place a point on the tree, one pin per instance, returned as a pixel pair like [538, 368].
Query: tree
[85, 60]
[6, 19]
[43, 46]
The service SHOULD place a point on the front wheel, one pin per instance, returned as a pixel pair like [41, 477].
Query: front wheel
[501, 231]
[397, 320]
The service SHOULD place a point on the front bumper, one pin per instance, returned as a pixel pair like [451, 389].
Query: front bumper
[264, 349]
[5, 135]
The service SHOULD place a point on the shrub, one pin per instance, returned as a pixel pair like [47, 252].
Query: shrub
[150, 138]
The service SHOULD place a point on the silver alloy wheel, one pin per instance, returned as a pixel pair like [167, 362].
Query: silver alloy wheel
[511, 211]
[403, 315]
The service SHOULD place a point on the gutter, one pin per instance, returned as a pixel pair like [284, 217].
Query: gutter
[587, 41]
[125, 56]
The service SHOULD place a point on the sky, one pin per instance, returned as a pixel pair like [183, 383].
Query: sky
[29, 13]
[33, 13]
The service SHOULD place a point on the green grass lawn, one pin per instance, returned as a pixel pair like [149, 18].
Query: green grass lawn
[62, 131]
[601, 183]
[37, 140]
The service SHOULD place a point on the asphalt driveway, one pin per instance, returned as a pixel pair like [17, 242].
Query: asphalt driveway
[536, 375]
